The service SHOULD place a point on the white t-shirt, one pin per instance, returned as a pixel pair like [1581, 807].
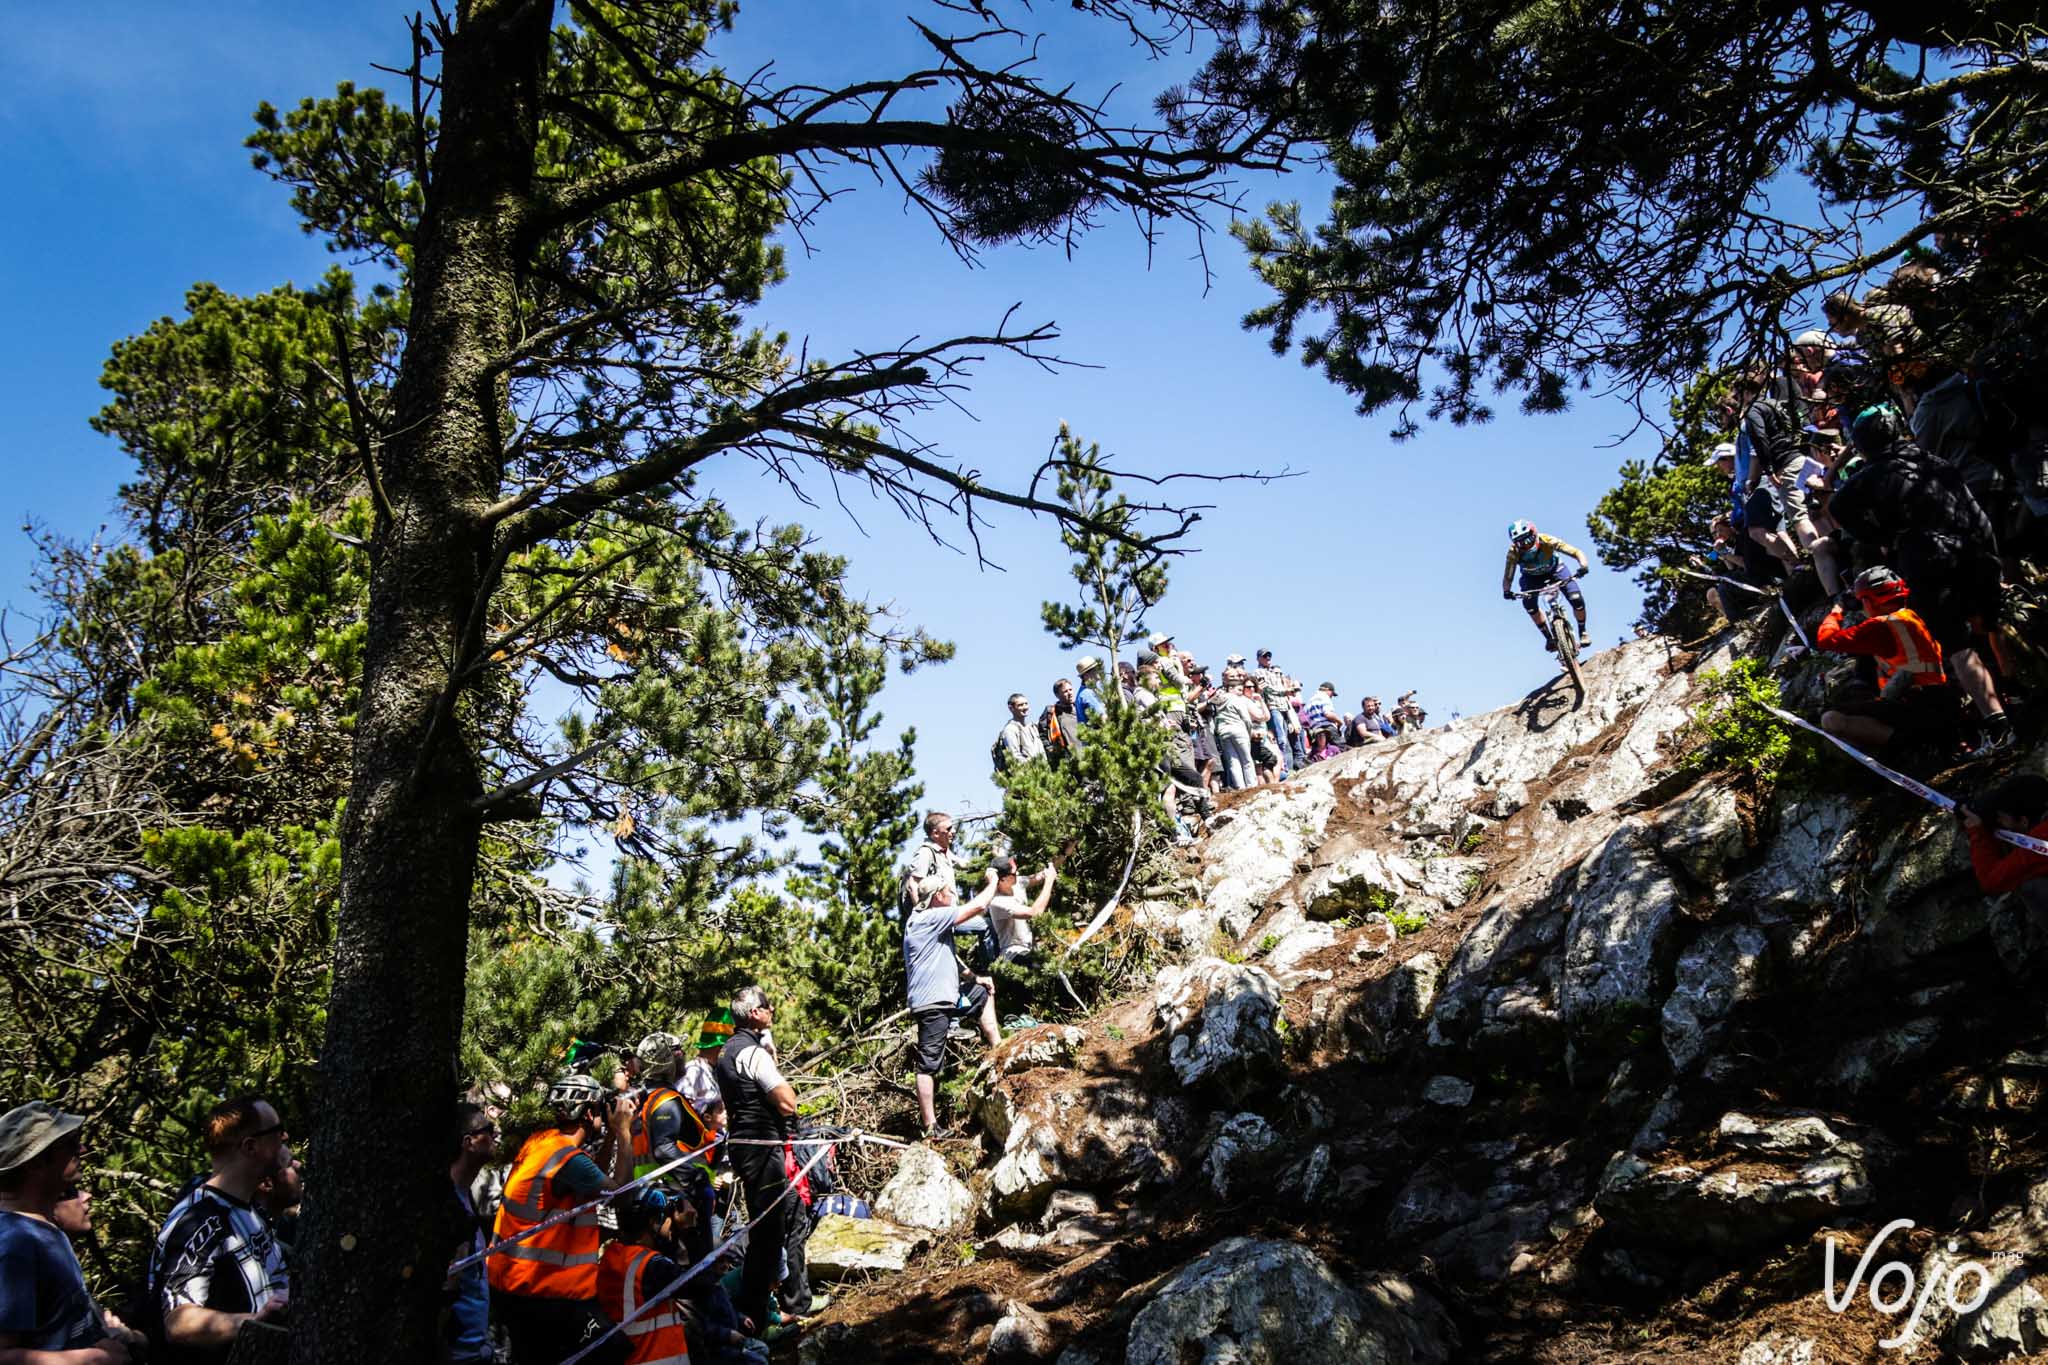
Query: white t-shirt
[757, 1064]
[699, 1086]
[1013, 932]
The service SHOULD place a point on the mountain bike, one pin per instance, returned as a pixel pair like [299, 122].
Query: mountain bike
[1563, 633]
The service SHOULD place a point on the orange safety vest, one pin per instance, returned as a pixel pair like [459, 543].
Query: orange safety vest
[1898, 640]
[643, 1142]
[656, 1336]
[560, 1263]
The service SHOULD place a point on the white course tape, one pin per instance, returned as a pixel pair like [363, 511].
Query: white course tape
[1899, 779]
[662, 1294]
[1797, 629]
[854, 1136]
[1723, 578]
[1115, 897]
[564, 1215]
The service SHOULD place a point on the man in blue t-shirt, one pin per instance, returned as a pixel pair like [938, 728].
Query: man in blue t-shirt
[44, 1306]
[936, 1000]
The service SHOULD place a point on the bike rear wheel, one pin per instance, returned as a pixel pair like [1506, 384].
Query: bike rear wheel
[1562, 635]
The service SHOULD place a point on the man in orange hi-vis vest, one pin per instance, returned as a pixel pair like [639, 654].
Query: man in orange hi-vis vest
[1912, 698]
[545, 1287]
[640, 1265]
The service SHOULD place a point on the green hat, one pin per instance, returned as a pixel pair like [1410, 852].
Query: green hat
[717, 1028]
[28, 1130]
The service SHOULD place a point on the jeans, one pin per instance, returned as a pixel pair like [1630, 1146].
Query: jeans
[1280, 744]
[1237, 761]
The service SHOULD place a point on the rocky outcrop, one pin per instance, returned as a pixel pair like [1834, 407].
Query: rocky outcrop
[1262, 1302]
[849, 1248]
[924, 1193]
[1526, 1016]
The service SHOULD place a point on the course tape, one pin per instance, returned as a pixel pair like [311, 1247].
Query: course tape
[1899, 779]
[564, 1215]
[711, 1258]
[1797, 629]
[1783, 605]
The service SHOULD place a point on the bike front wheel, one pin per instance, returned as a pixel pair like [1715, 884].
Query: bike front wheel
[1567, 642]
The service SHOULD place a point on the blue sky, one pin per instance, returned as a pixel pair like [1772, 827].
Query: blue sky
[1377, 568]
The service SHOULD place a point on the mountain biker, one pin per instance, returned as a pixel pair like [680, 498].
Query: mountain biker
[1541, 560]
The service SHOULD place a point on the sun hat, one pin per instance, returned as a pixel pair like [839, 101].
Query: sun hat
[28, 1130]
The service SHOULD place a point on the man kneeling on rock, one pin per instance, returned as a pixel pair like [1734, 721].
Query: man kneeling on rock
[936, 999]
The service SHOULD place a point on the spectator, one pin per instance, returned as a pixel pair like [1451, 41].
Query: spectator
[1911, 696]
[698, 1082]
[1058, 725]
[1917, 513]
[638, 1265]
[73, 1217]
[1807, 363]
[1726, 559]
[2021, 806]
[931, 866]
[1010, 916]
[760, 1104]
[1320, 712]
[664, 1124]
[1407, 715]
[1273, 686]
[1018, 743]
[1893, 340]
[1778, 444]
[465, 1337]
[46, 1312]
[1231, 716]
[1767, 442]
[1370, 723]
[1144, 686]
[936, 999]
[545, 1287]
[1759, 566]
[217, 1265]
[1173, 666]
[1087, 701]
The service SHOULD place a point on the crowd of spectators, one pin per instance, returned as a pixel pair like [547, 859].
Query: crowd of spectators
[1911, 485]
[1241, 725]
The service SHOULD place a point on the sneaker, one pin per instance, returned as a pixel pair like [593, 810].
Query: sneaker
[781, 1331]
[1550, 644]
[960, 1033]
[1994, 738]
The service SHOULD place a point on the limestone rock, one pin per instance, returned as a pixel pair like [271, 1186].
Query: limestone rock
[1448, 1091]
[1045, 1045]
[1723, 969]
[1255, 854]
[1285, 957]
[1702, 834]
[1221, 1019]
[1086, 1132]
[1624, 909]
[1868, 1062]
[924, 1193]
[1239, 1153]
[1772, 1177]
[1256, 1301]
[1021, 1333]
[841, 1247]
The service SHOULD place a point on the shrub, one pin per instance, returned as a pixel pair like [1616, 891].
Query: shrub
[1732, 729]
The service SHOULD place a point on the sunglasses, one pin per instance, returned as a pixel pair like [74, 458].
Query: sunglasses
[274, 1130]
[488, 1130]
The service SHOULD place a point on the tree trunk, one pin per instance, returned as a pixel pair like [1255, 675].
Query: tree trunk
[371, 1260]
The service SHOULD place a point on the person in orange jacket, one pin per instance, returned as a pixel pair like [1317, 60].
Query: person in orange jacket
[2021, 806]
[544, 1288]
[640, 1264]
[1912, 694]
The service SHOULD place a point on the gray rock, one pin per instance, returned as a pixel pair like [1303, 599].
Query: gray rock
[1795, 1173]
[1723, 969]
[1702, 834]
[1780, 1348]
[1021, 1333]
[1431, 1201]
[1625, 908]
[841, 1248]
[1065, 1204]
[1865, 1063]
[1239, 1153]
[1304, 1180]
[1220, 1018]
[1045, 1045]
[1094, 1132]
[1449, 1091]
[1284, 959]
[1252, 1301]
[924, 1192]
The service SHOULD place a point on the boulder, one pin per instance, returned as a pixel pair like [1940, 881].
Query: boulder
[1087, 1132]
[924, 1192]
[1256, 853]
[1238, 1156]
[1257, 1301]
[1768, 1178]
[1284, 958]
[1702, 834]
[1865, 1063]
[1021, 1333]
[1357, 884]
[842, 1247]
[1044, 1045]
[1723, 969]
[1221, 1019]
[1448, 1091]
[1625, 908]
[1451, 879]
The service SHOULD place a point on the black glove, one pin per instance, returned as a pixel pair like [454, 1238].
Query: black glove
[1507, 594]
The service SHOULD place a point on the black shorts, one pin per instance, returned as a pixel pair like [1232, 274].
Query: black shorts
[935, 1022]
[1759, 513]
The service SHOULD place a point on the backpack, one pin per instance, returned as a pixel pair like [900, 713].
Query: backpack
[1052, 732]
[999, 755]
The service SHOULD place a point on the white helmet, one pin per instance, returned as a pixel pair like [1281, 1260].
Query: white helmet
[575, 1090]
[657, 1054]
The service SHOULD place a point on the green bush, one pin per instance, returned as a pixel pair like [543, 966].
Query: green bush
[1731, 728]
